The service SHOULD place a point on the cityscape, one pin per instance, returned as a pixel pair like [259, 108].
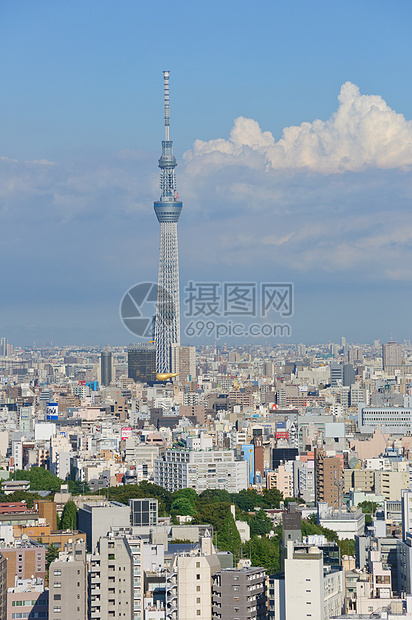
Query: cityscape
[213, 420]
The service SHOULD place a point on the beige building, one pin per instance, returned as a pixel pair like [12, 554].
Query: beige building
[390, 483]
[189, 585]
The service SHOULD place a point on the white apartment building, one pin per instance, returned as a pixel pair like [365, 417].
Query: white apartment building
[200, 470]
[309, 589]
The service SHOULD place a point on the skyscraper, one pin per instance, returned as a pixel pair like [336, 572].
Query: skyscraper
[141, 361]
[391, 355]
[106, 367]
[167, 209]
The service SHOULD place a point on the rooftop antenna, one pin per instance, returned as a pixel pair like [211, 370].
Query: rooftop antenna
[166, 75]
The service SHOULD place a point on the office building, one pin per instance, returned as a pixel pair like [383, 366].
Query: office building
[144, 511]
[141, 362]
[167, 209]
[96, 519]
[388, 419]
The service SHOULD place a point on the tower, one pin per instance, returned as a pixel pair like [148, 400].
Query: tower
[167, 209]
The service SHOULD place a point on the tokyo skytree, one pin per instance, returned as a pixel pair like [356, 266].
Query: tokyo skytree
[167, 209]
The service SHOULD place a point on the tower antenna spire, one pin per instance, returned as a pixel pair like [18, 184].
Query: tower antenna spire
[167, 209]
[167, 109]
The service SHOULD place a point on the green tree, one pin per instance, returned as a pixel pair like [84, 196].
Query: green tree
[182, 506]
[310, 529]
[190, 494]
[69, 516]
[247, 499]
[264, 552]
[22, 496]
[228, 537]
[211, 496]
[40, 479]
[52, 553]
[260, 524]
[214, 514]
[347, 547]
[76, 487]
[143, 489]
[272, 498]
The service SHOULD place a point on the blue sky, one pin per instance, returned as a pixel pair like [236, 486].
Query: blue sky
[280, 179]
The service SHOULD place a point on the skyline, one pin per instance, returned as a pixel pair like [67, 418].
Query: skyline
[78, 162]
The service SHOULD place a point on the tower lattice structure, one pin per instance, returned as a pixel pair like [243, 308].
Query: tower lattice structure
[167, 209]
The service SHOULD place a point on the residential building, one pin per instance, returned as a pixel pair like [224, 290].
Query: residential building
[68, 584]
[239, 593]
[200, 470]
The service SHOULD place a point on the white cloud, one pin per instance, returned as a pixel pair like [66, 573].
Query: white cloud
[363, 132]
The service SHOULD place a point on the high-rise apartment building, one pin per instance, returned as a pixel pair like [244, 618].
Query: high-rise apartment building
[188, 587]
[329, 479]
[391, 355]
[167, 209]
[111, 579]
[309, 590]
[68, 584]
[141, 362]
[240, 593]
[184, 362]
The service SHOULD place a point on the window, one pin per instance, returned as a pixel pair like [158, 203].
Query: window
[197, 564]
[198, 612]
[57, 597]
[197, 576]
[57, 572]
[198, 600]
[197, 588]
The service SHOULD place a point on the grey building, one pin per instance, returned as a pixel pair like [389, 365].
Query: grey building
[336, 375]
[111, 579]
[106, 367]
[68, 584]
[96, 519]
[143, 511]
[239, 593]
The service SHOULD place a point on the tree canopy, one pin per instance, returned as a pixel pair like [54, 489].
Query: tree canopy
[40, 479]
